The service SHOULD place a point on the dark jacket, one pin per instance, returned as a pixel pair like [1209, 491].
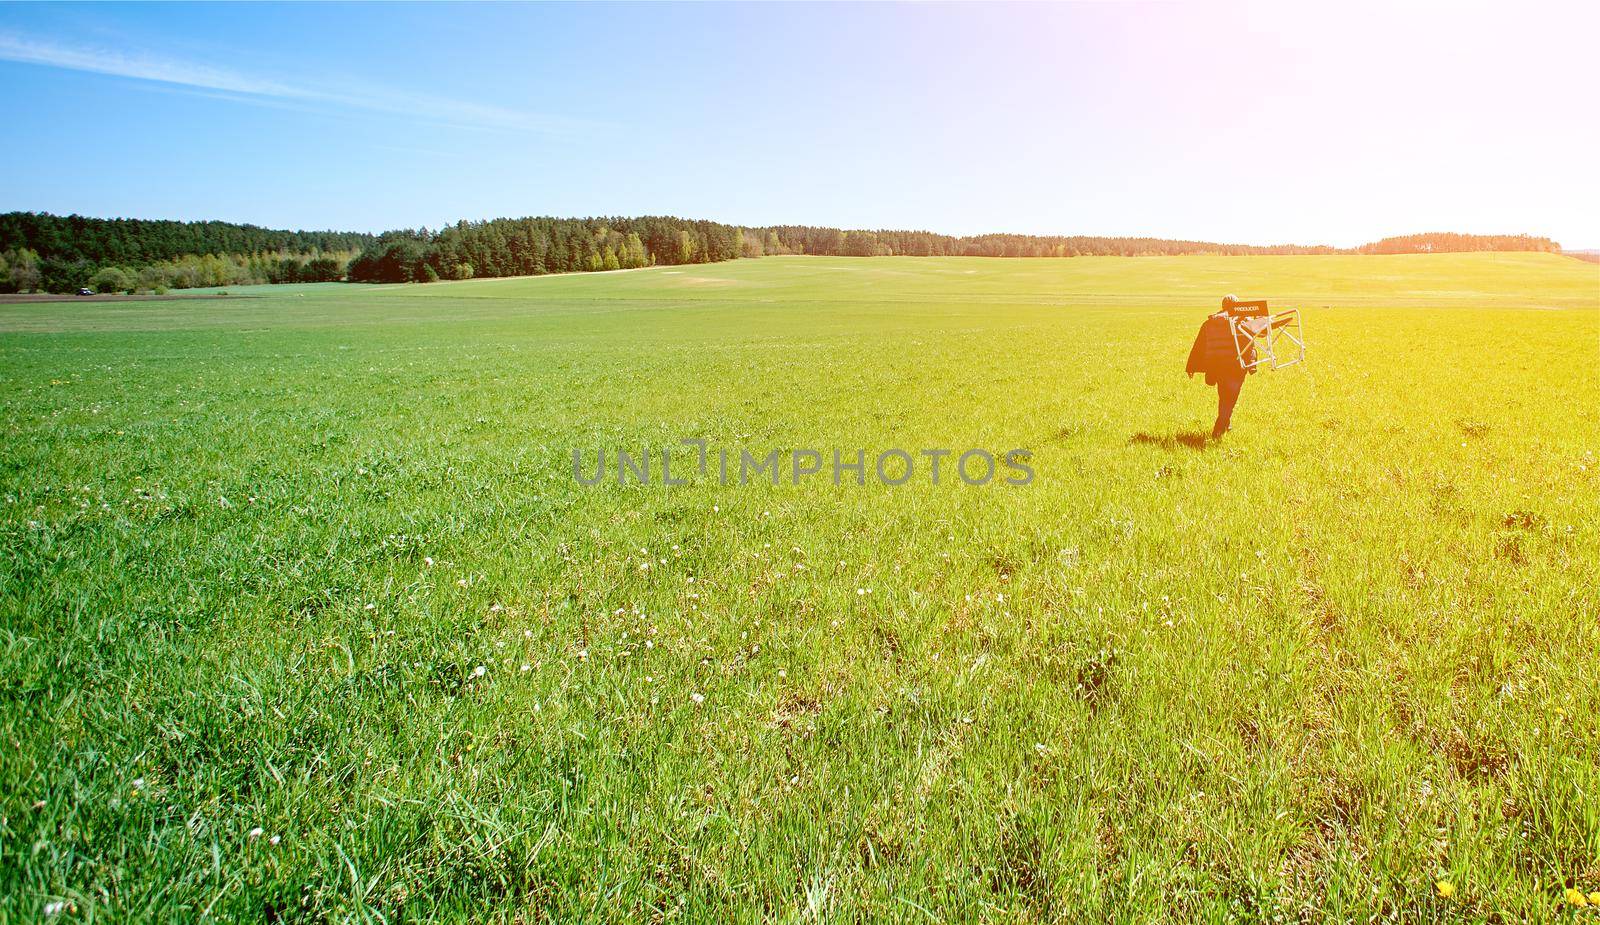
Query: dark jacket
[1214, 353]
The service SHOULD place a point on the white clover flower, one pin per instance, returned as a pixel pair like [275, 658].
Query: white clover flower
[526, 667]
[480, 671]
[698, 698]
[256, 832]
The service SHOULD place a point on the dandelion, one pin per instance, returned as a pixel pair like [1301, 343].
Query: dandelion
[1576, 897]
[480, 671]
[1446, 889]
[583, 654]
[1594, 898]
[700, 698]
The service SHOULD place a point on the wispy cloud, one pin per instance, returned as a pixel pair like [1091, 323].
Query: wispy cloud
[256, 89]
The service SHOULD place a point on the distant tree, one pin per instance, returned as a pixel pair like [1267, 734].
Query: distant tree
[112, 279]
[633, 253]
[19, 270]
[396, 258]
[322, 270]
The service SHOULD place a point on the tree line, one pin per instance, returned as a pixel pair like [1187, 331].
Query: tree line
[53, 253]
[24, 270]
[43, 252]
[1444, 242]
[533, 246]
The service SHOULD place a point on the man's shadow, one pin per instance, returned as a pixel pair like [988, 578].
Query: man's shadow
[1189, 439]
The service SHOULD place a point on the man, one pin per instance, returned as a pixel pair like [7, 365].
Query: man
[1215, 354]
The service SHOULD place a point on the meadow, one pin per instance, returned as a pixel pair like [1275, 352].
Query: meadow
[304, 616]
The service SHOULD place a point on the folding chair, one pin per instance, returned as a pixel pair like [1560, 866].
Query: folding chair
[1266, 339]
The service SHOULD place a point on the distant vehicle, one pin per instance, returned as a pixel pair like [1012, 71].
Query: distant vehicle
[85, 290]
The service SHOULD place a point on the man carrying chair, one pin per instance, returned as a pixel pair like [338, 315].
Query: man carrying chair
[1226, 350]
[1215, 354]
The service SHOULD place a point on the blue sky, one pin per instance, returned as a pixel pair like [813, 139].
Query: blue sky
[1265, 123]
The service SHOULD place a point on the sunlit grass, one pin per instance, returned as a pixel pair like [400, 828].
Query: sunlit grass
[303, 616]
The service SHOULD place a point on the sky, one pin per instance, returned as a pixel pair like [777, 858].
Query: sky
[1332, 123]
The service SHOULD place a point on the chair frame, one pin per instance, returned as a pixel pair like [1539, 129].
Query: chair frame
[1264, 339]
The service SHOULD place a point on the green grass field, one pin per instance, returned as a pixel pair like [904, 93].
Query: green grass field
[304, 616]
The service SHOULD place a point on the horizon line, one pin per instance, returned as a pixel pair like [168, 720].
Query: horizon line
[879, 230]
